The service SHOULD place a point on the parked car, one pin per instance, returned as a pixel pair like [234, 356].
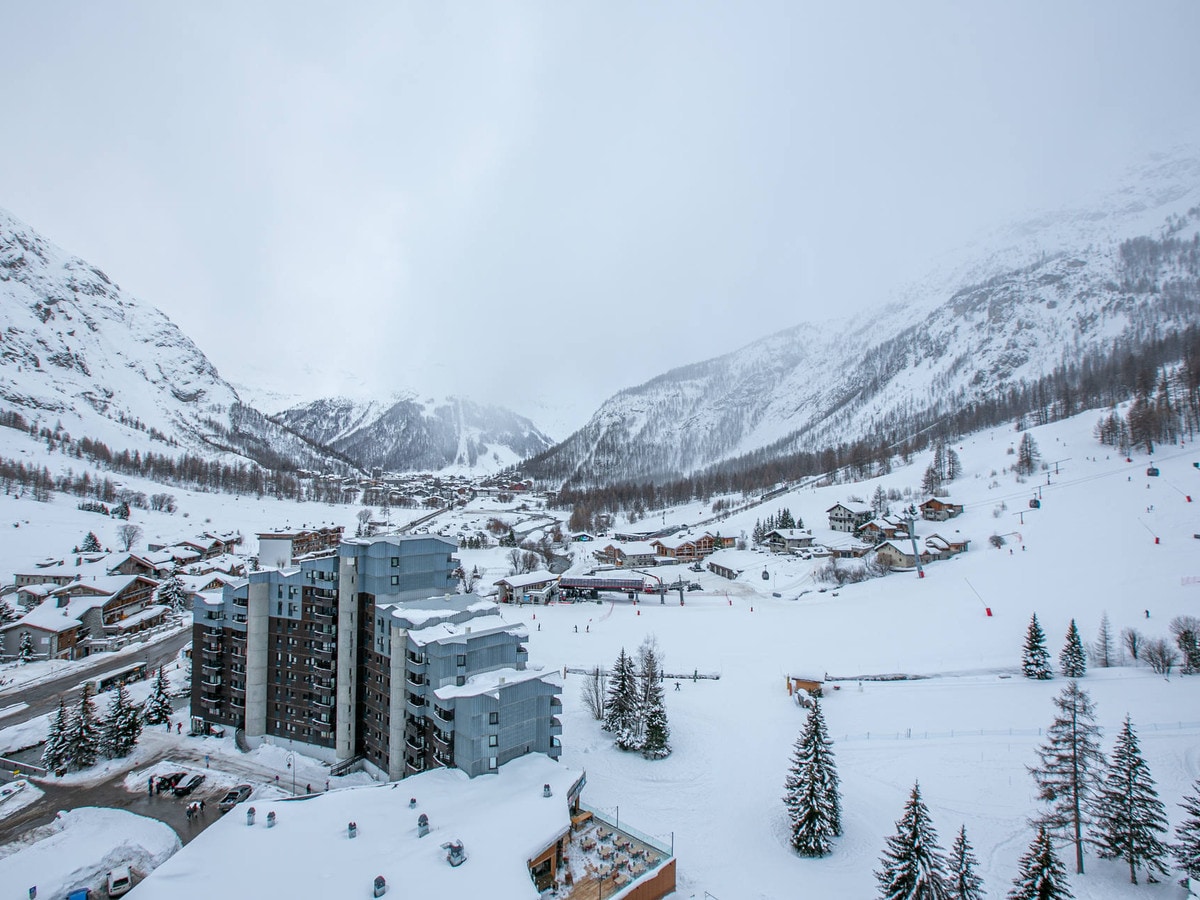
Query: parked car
[236, 795]
[120, 881]
[186, 787]
[81, 894]
[168, 782]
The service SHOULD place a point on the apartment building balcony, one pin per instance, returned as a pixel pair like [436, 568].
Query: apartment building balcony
[555, 706]
[415, 744]
[211, 681]
[323, 665]
[239, 637]
[213, 627]
[212, 665]
[240, 618]
[243, 602]
[322, 652]
[323, 681]
[443, 715]
[320, 719]
[237, 702]
[415, 705]
[327, 703]
[215, 701]
[324, 594]
[413, 766]
[555, 725]
[324, 613]
[416, 662]
[445, 759]
[555, 748]
[442, 740]
[416, 679]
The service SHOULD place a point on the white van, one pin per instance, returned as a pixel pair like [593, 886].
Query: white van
[120, 881]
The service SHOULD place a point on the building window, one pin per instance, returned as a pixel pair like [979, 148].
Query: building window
[491, 762]
[395, 562]
[395, 579]
[460, 680]
[493, 718]
[493, 741]
[460, 659]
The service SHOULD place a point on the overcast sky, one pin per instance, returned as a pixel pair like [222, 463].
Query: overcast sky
[541, 204]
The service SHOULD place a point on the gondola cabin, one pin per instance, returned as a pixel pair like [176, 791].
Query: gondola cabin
[1035, 503]
[1152, 471]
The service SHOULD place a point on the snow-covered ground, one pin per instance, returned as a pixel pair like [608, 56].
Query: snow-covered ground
[967, 731]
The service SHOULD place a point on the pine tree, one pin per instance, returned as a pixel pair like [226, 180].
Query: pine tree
[913, 867]
[56, 753]
[1187, 836]
[1072, 660]
[157, 708]
[123, 726]
[1027, 455]
[91, 543]
[785, 519]
[1035, 661]
[621, 713]
[1041, 874]
[1070, 766]
[812, 796]
[172, 594]
[656, 733]
[6, 613]
[953, 465]
[963, 883]
[1129, 815]
[879, 502]
[1103, 648]
[83, 733]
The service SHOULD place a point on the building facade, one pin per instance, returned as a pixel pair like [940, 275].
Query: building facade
[364, 654]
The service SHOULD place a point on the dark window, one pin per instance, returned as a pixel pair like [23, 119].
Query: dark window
[493, 718]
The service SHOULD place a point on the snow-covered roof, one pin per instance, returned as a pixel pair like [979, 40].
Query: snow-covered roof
[791, 534]
[736, 560]
[452, 633]
[490, 682]
[47, 616]
[858, 509]
[635, 548]
[503, 821]
[147, 614]
[529, 578]
[419, 613]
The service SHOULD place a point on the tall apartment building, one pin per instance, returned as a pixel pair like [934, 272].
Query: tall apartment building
[363, 654]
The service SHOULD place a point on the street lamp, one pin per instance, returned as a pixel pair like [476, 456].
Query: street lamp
[291, 764]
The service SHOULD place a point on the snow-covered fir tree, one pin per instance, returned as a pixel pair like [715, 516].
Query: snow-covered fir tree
[7, 614]
[1070, 767]
[785, 519]
[122, 727]
[812, 789]
[621, 713]
[963, 882]
[655, 732]
[91, 543]
[913, 865]
[25, 649]
[157, 708]
[56, 753]
[1186, 849]
[172, 594]
[1041, 875]
[83, 733]
[1104, 650]
[1072, 660]
[1035, 659]
[1129, 817]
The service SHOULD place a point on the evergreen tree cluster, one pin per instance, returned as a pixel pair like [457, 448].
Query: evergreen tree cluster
[782, 519]
[76, 739]
[944, 468]
[635, 709]
[914, 867]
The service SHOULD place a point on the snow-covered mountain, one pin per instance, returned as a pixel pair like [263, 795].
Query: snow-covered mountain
[76, 350]
[406, 433]
[1045, 293]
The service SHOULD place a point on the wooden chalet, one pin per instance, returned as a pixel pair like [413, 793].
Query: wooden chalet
[944, 548]
[788, 540]
[895, 555]
[849, 516]
[937, 510]
[883, 528]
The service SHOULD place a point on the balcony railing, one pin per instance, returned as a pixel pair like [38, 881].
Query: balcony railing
[416, 705]
[416, 680]
[215, 682]
[323, 651]
[442, 739]
[444, 759]
[555, 725]
[324, 613]
[243, 602]
[237, 702]
[414, 765]
[212, 666]
[445, 715]
[327, 703]
[416, 744]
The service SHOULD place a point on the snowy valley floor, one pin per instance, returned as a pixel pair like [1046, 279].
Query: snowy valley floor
[967, 731]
